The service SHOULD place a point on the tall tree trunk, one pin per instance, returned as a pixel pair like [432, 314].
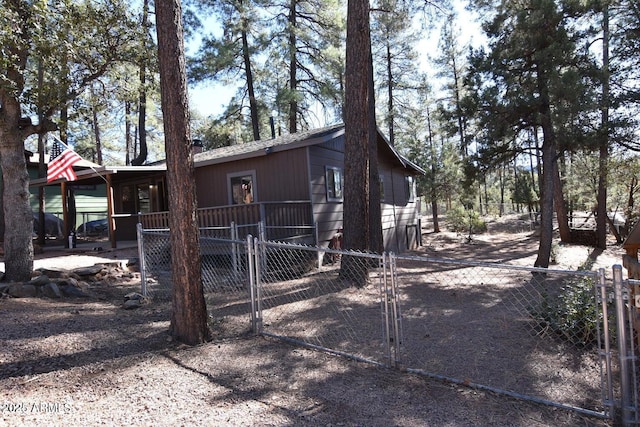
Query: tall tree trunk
[633, 185]
[549, 163]
[253, 103]
[433, 192]
[18, 246]
[501, 179]
[360, 136]
[560, 205]
[464, 150]
[546, 205]
[96, 129]
[189, 314]
[601, 217]
[390, 112]
[376, 241]
[293, 68]
[142, 98]
[42, 167]
[127, 132]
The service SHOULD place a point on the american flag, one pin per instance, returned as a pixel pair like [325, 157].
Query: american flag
[61, 161]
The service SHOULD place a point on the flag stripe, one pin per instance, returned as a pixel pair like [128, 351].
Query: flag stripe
[61, 162]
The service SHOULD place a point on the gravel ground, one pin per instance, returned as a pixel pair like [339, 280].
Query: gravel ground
[81, 362]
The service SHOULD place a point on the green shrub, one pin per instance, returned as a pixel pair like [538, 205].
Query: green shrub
[572, 314]
[465, 221]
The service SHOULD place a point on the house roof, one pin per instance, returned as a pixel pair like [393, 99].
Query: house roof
[91, 173]
[266, 146]
[288, 142]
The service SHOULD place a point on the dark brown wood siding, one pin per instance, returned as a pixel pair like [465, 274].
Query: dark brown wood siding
[398, 212]
[327, 214]
[280, 176]
[405, 214]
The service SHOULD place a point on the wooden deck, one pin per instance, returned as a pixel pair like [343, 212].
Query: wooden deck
[281, 219]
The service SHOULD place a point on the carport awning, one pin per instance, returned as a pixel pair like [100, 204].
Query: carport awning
[98, 175]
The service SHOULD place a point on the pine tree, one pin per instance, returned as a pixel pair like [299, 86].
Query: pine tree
[189, 313]
[31, 34]
[525, 78]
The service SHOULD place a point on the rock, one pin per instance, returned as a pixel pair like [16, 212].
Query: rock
[132, 303]
[82, 285]
[52, 273]
[134, 300]
[4, 287]
[51, 290]
[133, 264]
[19, 290]
[41, 280]
[72, 291]
[133, 296]
[89, 271]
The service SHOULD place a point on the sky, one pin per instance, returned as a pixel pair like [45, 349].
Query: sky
[210, 99]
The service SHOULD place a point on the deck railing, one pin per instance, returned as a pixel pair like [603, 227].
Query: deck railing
[272, 214]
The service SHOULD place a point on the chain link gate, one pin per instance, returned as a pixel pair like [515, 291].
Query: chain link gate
[317, 306]
[533, 334]
[627, 303]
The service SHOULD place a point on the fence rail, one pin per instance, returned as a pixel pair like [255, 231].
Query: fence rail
[563, 338]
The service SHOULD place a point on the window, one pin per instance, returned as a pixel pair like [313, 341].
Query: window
[381, 178]
[128, 199]
[334, 184]
[411, 189]
[241, 188]
[143, 198]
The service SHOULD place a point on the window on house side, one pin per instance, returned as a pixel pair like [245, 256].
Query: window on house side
[381, 187]
[242, 189]
[411, 189]
[334, 184]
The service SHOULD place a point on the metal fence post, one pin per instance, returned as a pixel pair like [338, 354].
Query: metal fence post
[385, 296]
[234, 247]
[141, 263]
[604, 340]
[316, 235]
[262, 231]
[623, 341]
[256, 317]
[395, 309]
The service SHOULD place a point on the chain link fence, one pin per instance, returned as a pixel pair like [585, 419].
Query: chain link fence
[538, 334]
[321, 307]
[525, 331]
[627, 296]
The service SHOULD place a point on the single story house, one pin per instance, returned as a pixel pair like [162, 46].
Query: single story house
[294, 181]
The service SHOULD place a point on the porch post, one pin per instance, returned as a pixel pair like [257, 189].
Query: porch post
[65, 213]
[112, 229]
